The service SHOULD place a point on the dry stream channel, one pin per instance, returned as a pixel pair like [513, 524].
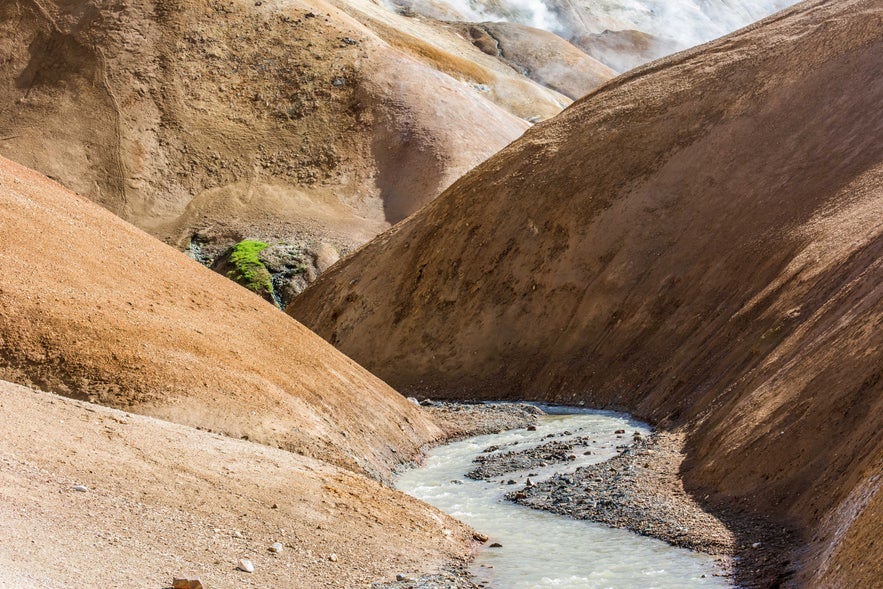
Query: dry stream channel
[540, 549]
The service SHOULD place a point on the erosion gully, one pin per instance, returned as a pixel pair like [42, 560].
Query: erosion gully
[540, 549]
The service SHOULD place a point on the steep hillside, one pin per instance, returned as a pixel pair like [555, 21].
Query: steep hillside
[93, 308]
[299, 120]
[699, 242]
[163, 500]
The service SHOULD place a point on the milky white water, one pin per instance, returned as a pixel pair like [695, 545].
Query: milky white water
[545, 550]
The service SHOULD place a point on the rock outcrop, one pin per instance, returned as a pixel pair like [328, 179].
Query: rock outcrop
[699, 242]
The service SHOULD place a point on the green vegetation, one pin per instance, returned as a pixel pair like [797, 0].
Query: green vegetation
[248, 270]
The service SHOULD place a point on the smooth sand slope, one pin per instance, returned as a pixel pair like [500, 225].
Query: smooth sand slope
[93, 308]
[166, 500]
[699, 242]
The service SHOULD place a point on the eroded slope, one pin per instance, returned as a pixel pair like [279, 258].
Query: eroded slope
[280, 120]
[699, 242]
[93, 308]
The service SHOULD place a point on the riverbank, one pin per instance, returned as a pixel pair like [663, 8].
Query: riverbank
[465, 419]
[535, 447]
[639, 489]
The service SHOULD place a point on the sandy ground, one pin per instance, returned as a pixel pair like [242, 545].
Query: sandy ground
[165, 500]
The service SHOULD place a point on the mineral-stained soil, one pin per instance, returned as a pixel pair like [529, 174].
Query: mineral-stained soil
[699, 242]
[309, 120]
[93, 308]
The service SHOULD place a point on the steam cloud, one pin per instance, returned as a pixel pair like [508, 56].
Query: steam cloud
[685, 22]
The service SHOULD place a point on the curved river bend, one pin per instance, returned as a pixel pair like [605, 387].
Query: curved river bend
[540, 549]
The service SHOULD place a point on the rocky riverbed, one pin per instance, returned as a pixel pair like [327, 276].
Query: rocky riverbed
[464, 419]
[638, 489]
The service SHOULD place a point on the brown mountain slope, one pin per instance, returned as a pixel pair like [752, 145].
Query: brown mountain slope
[93, 308]
[699, 242]
[166, 500]
[235, 119]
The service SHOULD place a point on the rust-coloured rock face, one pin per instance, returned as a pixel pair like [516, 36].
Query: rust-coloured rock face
[700, 242]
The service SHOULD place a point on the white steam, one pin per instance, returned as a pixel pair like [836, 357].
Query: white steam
[685, 22]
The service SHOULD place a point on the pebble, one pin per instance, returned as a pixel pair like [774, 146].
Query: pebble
[332, 557]
[80, 488]
[276, 547]
[479, 537]
[246, 566]
[187, 583]
[237, 534]
[496, 545]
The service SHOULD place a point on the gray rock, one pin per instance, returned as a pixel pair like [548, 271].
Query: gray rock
[276, 547]
[245, 566]
[80, 488]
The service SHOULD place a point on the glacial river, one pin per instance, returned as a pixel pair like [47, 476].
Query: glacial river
[540, 549]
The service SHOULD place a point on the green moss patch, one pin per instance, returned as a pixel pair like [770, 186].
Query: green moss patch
[248, 270]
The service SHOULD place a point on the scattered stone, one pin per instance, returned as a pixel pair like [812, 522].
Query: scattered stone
[407, 578]
[551, 452]
[237, 534]
[619, 431]
[332, 557]
[456, 482]
[478, 536]
[245, 566]
[531, 428]
[496, 545]
[276, 547]
[80, 488]
[187, 583]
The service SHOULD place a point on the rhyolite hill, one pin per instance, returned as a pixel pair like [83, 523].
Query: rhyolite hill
[699, 242]
[228, 426]
[312, 121]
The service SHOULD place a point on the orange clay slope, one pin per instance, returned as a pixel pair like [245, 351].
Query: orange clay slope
[93, 308]
[700, 242]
